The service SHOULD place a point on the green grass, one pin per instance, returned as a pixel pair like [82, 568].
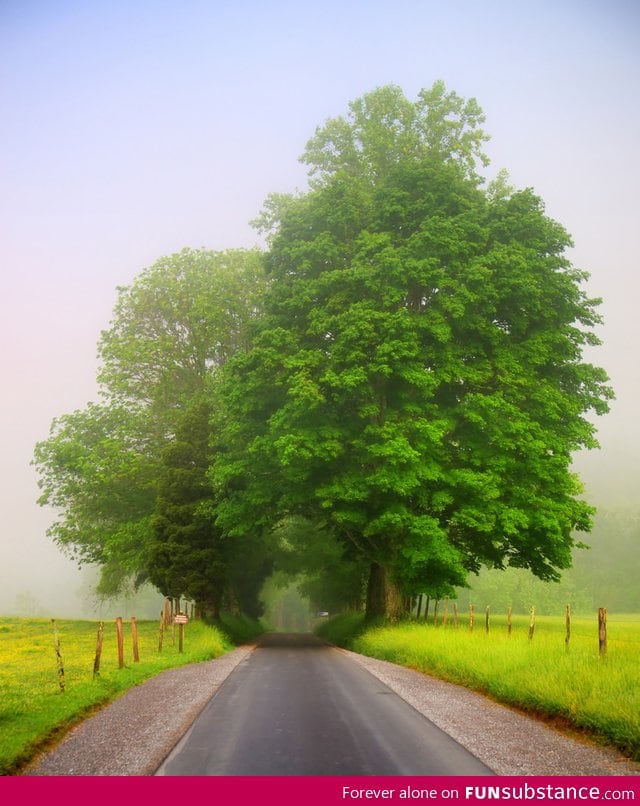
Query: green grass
[600, 695]
[240, 629]
[34, 710]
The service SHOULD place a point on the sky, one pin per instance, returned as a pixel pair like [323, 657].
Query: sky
[132, 129]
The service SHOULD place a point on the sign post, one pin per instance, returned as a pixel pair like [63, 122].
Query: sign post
[180, 619]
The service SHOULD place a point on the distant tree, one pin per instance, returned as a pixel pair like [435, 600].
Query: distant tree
[26, 604]
[416, 380]
[329, 572]
[608, 572]
[286, 607]
[520, 590]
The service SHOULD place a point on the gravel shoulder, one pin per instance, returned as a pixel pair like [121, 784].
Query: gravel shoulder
[506, 740]
[134, 734]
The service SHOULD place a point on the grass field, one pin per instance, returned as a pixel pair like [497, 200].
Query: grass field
[576, 686]
[598, 694]
[33, 709]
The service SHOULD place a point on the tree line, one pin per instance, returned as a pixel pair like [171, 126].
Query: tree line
[604, 575]
[385, 399]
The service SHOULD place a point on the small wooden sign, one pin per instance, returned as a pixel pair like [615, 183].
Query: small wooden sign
[181, 618]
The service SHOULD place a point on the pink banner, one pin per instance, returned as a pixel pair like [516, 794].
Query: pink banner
[321, 791]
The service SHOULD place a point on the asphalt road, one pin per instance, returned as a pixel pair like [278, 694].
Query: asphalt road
[296, 706]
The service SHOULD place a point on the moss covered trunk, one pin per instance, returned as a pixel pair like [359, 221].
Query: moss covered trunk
[384, 598]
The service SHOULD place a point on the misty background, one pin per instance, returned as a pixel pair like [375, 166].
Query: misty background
[129, 130]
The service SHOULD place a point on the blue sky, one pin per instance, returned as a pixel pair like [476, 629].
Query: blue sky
[132, 129]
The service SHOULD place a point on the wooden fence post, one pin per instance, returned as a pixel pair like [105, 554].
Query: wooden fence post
[161, 634]
[602, 631]
[96, 662]
[471, 617]
[56, 646]
[120, 642]
[532, 623]
[509, 622]
[134, 639]
[567, 623]
[486, 620]
[455, 615]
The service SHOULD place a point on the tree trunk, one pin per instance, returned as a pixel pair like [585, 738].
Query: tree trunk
[384, 598]
[216, 607]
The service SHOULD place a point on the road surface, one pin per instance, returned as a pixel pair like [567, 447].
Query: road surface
[296, 706]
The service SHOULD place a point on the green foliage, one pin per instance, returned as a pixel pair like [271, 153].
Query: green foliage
[600, 576]
[96, 471]
[343, 629]
[180, 319]
[416, 380]
[239, 628]
[404, 392]
[32, 709]
[329, 575]
[127, 475]
[184, 553]
[383, 128]
[286, 608]
[607, 572]
[519, 589]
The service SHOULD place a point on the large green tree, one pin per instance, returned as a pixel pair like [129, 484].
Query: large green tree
[416, 380]
[128, 472]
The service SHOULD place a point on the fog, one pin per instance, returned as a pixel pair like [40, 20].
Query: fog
[131, 131]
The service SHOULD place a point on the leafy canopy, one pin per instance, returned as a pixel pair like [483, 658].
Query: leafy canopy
[112, 470]
[403, 391]
[416, 379]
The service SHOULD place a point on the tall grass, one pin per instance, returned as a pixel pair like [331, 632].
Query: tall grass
[33, 709]
[576, 685]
